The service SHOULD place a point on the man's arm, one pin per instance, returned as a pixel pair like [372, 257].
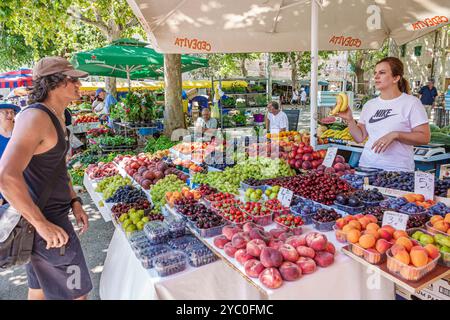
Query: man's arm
[14, 161]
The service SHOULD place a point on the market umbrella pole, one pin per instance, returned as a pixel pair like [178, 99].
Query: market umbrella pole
[314, 70]
[128, 78]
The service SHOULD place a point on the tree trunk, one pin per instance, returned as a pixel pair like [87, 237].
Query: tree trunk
[243, 68]
[294, 70]
[361, 86]
[110, 82]
[173, 112]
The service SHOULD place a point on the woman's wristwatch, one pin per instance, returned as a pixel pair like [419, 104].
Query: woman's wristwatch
[76, 199]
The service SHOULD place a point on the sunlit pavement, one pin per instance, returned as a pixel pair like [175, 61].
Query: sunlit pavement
[13, 283]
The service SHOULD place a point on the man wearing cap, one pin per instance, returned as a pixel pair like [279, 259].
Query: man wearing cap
[7, 114]
[35, 158]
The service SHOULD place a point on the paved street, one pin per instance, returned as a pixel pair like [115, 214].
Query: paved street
[13, 283]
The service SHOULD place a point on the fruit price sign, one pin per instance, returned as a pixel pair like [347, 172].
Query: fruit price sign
[424, 184]
[285, 197]
[329, 157]
[395, 219]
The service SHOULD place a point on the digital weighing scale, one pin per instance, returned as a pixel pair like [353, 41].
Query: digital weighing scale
[425, 152]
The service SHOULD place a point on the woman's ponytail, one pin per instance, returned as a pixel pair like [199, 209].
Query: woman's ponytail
[403, 86]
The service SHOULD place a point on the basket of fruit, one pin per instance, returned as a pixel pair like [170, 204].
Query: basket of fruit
[169, 263]
[147, 255]
[253, 194]
[431, 242]
[208, 224]
[200, 255]
[157, 232]
[260, 214]
[290, 222]
[236, 216]
[324, 219]
[369, 198]
[349, 203]
[410, 265]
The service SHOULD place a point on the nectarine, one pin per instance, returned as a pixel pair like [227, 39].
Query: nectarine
[435, 219]
[432, 250]
[403, 257]
[355, 224]
[382, 246]
[405, 242]
[419, 257]
[373, 226]
[441, 226]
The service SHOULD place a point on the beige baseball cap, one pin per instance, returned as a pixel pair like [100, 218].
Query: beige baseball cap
[51, 65]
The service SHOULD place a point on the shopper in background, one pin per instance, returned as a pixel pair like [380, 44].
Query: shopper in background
[7, 114]
[427, 95]
[276, 120]
[303, 97]
[394, 122]
[35, 159]
[98, 105]
[294, 99]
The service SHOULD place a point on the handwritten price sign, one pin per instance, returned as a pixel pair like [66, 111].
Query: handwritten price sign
[396, 220]
[285, 196]
[329, 157]
[424, 184]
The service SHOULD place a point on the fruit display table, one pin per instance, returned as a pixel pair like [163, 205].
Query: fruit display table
[345, 279]
[124, 278]
[433, 162]
[90, 186]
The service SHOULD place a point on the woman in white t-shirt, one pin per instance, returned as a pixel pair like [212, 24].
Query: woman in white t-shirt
[393, 123]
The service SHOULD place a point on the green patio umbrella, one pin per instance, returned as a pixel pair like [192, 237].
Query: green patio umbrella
[129, 59]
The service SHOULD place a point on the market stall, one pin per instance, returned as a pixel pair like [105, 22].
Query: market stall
[317, 221]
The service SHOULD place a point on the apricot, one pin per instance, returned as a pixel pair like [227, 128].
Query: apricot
[355, 224]
[406, 242]
[372, 226]
[367, 241]
[353, 235]
[403, 257]
[347, 228]
[436, 218]
[349, 218]
[340, 223]
[373, 232]
[447, 218]
[372, 218]
[419, 257]
[397, 248]
[441, 226]
[432, 250]
[389, 228]
[364, 222]
[400, 233]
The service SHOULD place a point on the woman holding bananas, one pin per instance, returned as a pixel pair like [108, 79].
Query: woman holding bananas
[394, 122]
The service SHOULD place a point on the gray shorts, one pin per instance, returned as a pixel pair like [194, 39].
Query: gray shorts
[61, 277]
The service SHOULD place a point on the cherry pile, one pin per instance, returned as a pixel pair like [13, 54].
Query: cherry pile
[319, 187]
[206, 190]
[326, 215]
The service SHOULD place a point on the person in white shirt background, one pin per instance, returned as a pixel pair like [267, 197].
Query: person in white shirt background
[276, 120]
[394, 122]
[303, 97]
[205, 122]
[294, 99]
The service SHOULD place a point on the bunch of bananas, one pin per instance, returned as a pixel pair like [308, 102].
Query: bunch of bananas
[337, 134]
[341, 104]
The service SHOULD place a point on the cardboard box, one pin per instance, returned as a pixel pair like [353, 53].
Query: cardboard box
[439, 290]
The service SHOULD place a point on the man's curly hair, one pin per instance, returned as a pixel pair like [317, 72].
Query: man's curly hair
[43, 85]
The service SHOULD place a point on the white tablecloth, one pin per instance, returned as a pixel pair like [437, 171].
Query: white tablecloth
[123, 277]
[90, 186]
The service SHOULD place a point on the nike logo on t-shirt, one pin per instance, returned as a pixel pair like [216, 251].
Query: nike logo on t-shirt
[381, 115]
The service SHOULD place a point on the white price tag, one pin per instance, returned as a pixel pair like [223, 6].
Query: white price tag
[424, 184]
[444, 171]
[329, 157]
[285, 196]
[396, 220]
